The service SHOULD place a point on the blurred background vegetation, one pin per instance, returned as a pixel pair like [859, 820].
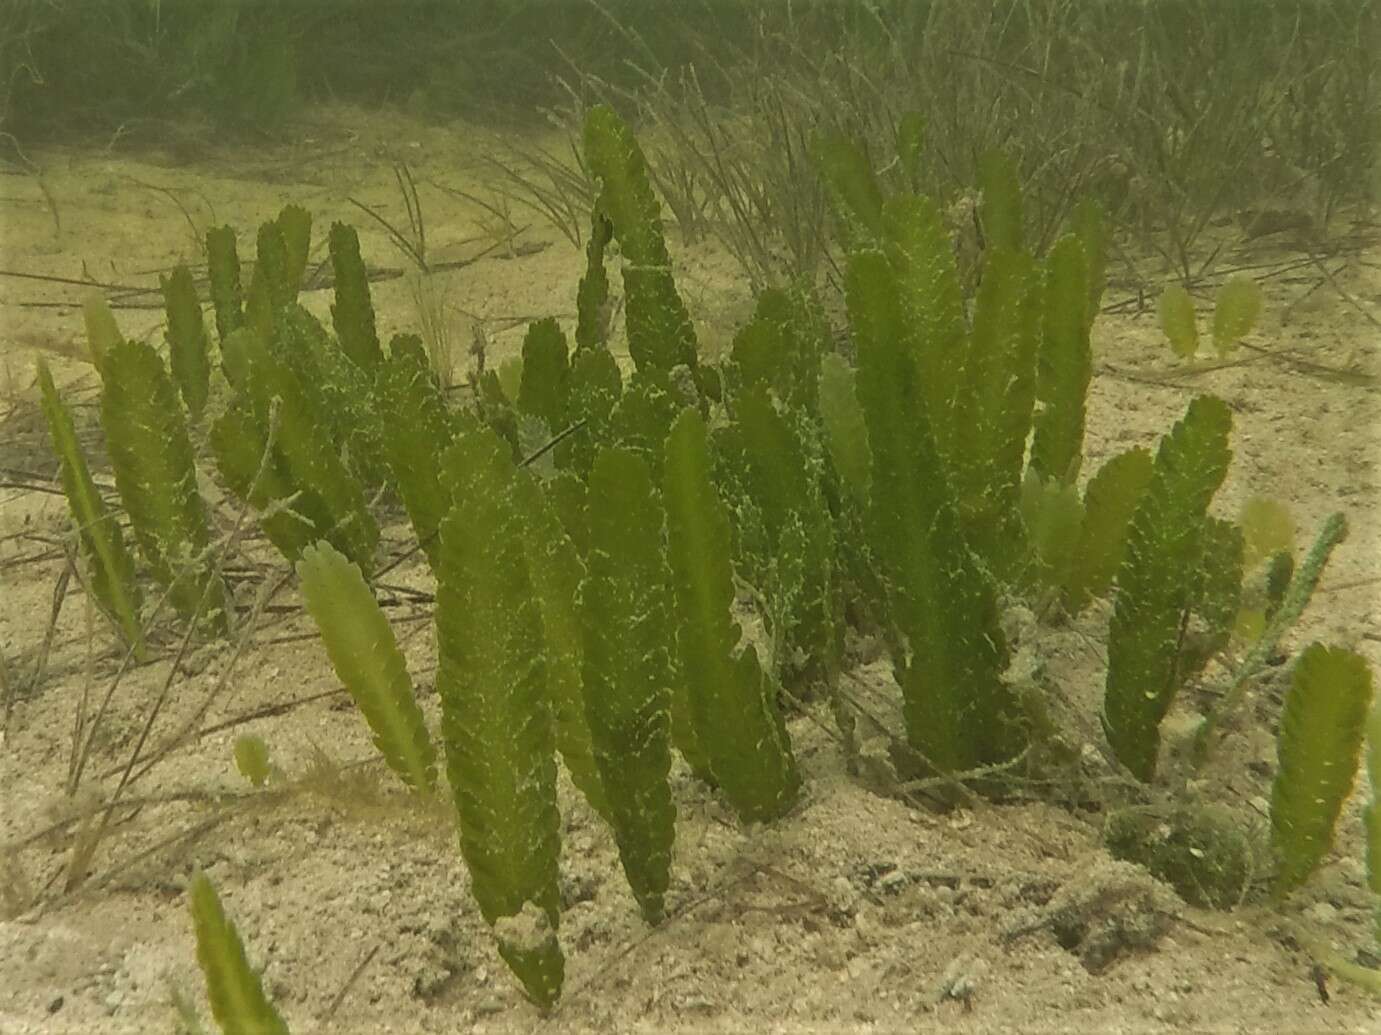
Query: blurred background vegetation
[78, 65]
[1175, 114]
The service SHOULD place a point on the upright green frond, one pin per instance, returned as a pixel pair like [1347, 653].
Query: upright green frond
[1217, 596]
[352, 313]
[1089, 223]
[853, 189]
[1371, 816]
[308, 456]
[596, 386]
[660, 333]
[273, 270]
[1000, 210]
[410, 402]
[922, 259]
[1268, 529]
[1110, 500]
[1052, 514]
[1156, 583]
[236, 350]
[110, 564]
[994, 410]
[156, 475]
[1292, 601]
[911, 130]
[341, 389]
[233, 988]
[102, 332]
[568, 495]
[223, 270]
[251, 754]
[495, 410]
[959, 714]
[592, 294]
[642, 420]
[238, 441]
[1280, 572]
[629, 638]
[544, 390]
[1064, 365]
[187, 345]
[259, 304]
[496, 712]
[366, 657]
[1321, 731]
[780, 349]
[556, 570]
[510, 375]
[732, 701]
[773, 470]
[295, 224]
[1236, 312]
[845, 432]
[1177, 320]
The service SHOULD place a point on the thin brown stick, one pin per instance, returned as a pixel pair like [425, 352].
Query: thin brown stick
[47, 278]
[339, 997]
[7, 688]
[46, 648]
[83, 702]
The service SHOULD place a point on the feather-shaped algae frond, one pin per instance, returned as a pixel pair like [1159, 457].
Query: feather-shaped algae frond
[156, 475]
[1110, 500]
[643, 417]
[271, 287]
[307, 456]
[234, 990]
[660, 332]
[111, 565]
[556, 570]
[854, 193]
[367, 658]
[596, 387]
[295, 224]
[772, 461]
[187, 342]
[922, 260]
[1156, 582]
[352, 313]
[1178, 322]
[409, 400]
[290, 516]
[1236, 312]
[496, 711]
[846, 435]
[1089, 223]
[1000, 207]
[592, 294]
[995, 405]
[780, 349]
[1064, 364]
[223, 271]
[544, 390]
[625, 604]
[1294, 599]
[102, 332]
[731, 700]
[959, 714]
[1321, 732]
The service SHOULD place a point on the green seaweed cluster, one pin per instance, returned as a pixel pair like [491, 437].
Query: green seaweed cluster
[592, 605]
